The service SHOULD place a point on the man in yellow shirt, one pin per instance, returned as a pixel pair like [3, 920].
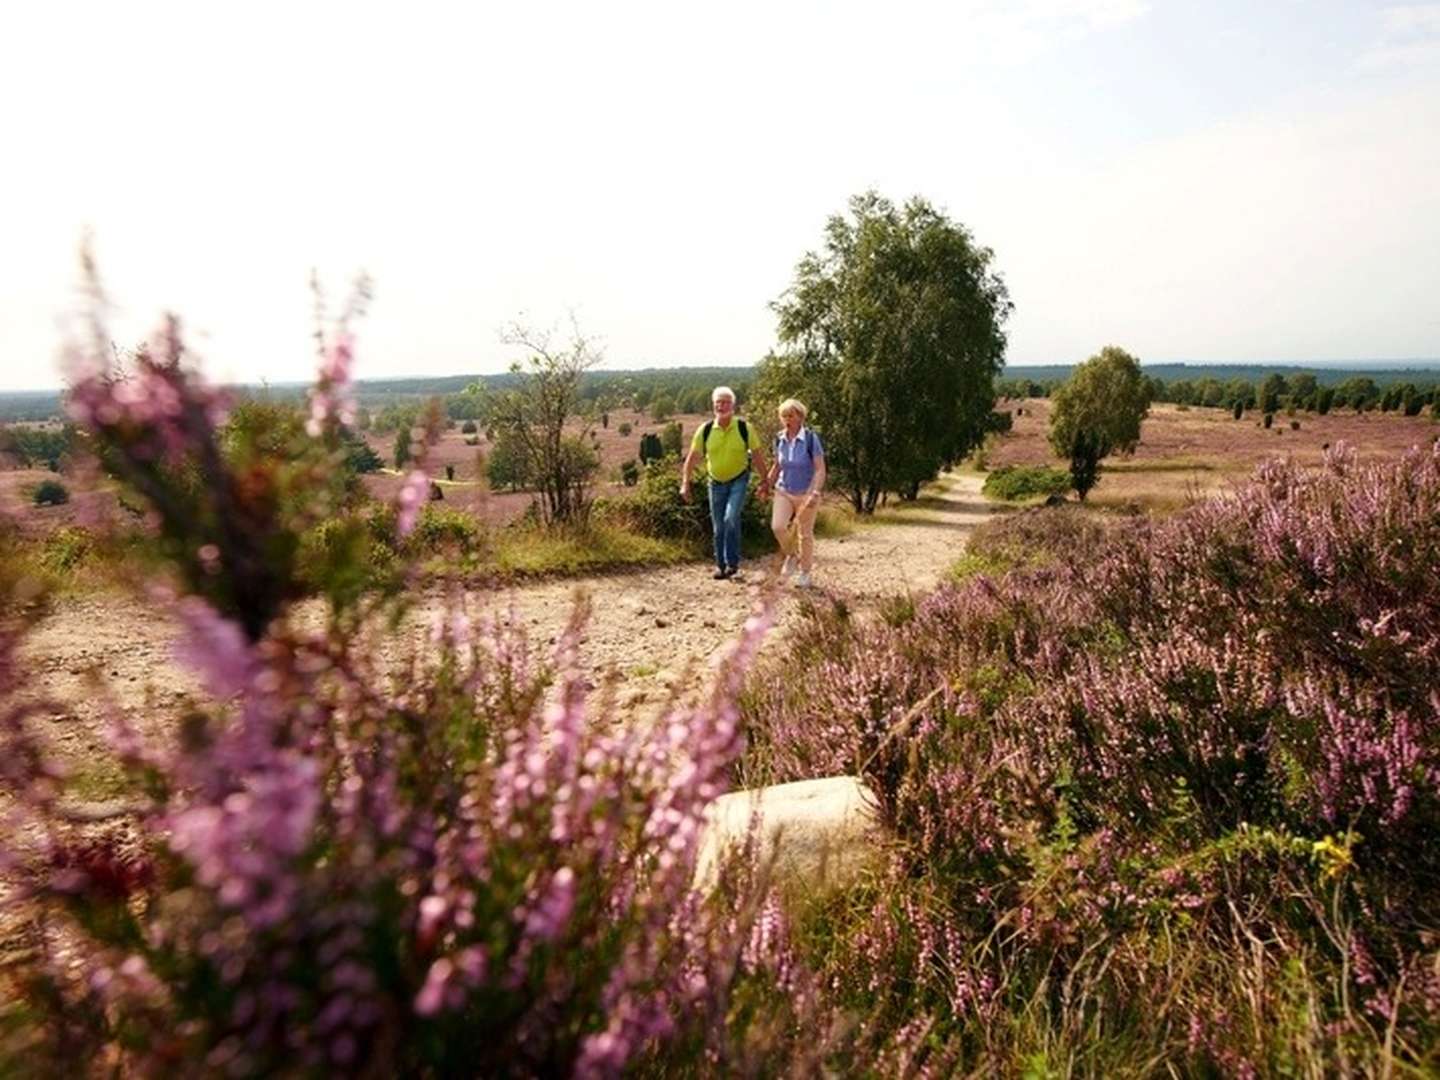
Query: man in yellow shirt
[729, 446]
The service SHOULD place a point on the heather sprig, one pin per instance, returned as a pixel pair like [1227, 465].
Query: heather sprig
[1212, 736]
[338, 861]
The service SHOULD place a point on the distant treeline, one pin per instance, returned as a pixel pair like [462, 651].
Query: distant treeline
[1325, 375]
[1313, 391]
[664, 391]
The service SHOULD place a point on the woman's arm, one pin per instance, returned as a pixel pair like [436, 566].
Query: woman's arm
[817, 481]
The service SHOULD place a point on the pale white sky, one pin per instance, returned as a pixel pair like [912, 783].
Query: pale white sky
[1221, 181]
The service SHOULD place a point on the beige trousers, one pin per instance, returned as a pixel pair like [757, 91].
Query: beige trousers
[794, 526]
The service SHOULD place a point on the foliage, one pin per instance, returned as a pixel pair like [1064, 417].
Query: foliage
[535, 413]
[403, 452]
[66, 548]
[672, 439]
[625, 428]
[35, 446]
[656, 509]
[1015, 482]
[360, 456]
[892, 335]
[468, 428]
[508, 465]
[1098, 413]
[650, 448]
[1163, 803]
[50, 493]
[629, 472]
[470, 869]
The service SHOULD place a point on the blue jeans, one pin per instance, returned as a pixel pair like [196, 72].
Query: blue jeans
[726, 500]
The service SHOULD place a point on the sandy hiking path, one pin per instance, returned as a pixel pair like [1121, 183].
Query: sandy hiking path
[647, 633]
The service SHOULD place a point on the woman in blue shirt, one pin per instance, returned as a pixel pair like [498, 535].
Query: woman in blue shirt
[797, 476]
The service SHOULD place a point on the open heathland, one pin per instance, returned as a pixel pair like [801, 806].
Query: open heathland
[1188, 452]
[1159, 792]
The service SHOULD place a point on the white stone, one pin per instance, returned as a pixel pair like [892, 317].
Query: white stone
[821, 834]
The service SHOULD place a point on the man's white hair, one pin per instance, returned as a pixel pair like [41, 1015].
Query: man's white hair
[719, 392]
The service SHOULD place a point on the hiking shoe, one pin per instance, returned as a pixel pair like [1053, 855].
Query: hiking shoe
[734, 574]
[802, 580]
[722, 573]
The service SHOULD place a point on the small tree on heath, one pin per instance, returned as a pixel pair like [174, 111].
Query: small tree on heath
[1098, 413]
[544, 414]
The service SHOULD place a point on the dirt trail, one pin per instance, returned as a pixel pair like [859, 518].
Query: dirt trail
[647, 629]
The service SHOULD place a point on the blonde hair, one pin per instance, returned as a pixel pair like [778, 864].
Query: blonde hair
[792, 405]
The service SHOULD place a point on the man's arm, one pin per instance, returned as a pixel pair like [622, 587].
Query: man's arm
[685, 470]
[757, 458]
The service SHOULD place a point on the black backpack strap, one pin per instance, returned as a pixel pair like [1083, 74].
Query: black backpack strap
[705, 435]
[744, 433]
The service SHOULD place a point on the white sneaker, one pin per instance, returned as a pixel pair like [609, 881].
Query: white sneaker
[802, 580]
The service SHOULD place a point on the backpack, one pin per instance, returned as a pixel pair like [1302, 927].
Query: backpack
[744, 435]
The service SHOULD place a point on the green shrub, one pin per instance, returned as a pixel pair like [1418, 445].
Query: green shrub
[50, 493]
[1015, 482]
[630, 472]
[360, 457]
[346, 556]
[625, 427]
[66, 548]
[672, 438]
[657, 510]
[441, 528]
[468, 428]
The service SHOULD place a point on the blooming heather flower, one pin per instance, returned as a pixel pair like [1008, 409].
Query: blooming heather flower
[410, 501]
[332, 399]
[213, 647]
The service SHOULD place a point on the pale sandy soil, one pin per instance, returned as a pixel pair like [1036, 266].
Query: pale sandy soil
[651, 636]
[647, 629]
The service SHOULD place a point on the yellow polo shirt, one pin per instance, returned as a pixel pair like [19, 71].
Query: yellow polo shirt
[726, 454]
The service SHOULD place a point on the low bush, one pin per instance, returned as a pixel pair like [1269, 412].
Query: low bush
[50, 493]
[657, 510]
[442, 529]
[66, 548]
[1015, 482]
[1201, 754]
[325, 869]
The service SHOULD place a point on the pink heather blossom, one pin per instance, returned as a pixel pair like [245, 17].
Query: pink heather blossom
[547, 921]
[410, 501]
[333, 396]
[213, 647]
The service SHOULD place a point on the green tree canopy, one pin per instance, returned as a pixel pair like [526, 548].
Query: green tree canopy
[1098, 413]
[892, 335]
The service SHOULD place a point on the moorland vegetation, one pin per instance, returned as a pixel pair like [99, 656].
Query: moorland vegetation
[1158, 794]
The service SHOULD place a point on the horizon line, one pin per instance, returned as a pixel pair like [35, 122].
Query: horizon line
[1401, 364]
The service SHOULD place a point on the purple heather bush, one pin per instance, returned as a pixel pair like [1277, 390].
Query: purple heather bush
[1169, 803]
[335, 865]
